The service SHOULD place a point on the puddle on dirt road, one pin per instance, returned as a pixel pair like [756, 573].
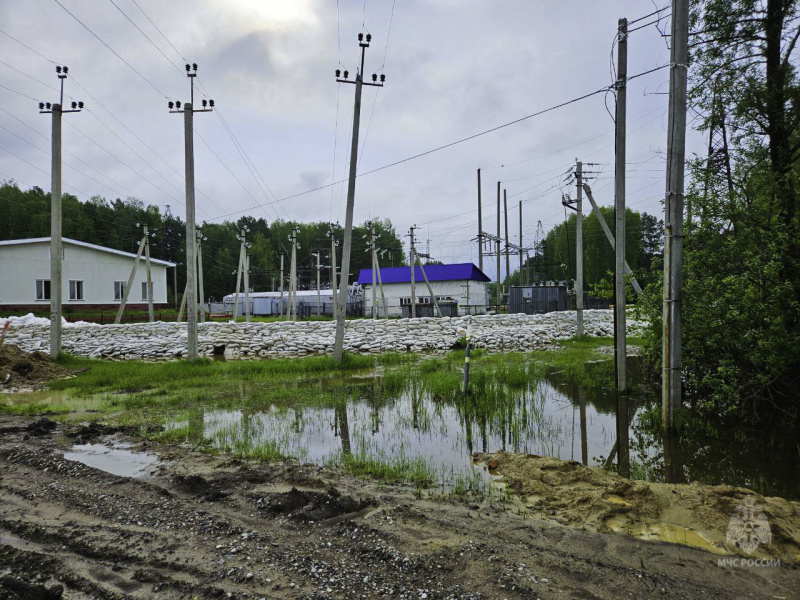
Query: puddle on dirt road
[117, 459]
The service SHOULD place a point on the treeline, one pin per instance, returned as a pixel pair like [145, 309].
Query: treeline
[118, 224]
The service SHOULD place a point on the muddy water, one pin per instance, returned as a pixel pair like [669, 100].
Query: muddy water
[116, 459]
[554, 419]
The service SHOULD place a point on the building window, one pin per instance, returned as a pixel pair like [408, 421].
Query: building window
[405, 301]
[43, 289]
[119, 289]
[144, 290]
[75, 289]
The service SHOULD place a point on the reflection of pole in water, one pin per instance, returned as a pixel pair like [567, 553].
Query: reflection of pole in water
[298, 419]
[483, 434]
[673, 458]
[584, 439]
[623, 444]
[344, 428]
[414, 404]
[468, 430]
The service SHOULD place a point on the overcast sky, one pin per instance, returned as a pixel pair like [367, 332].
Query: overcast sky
[453, 68]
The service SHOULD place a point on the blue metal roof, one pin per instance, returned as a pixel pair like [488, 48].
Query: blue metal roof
[457, 272]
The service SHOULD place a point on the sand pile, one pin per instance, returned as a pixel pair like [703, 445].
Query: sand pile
[721, 519]
[20, 369]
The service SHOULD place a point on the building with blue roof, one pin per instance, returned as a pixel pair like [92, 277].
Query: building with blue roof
[463, 284]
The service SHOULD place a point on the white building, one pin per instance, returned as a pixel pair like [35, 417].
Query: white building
[92, 276]
[264, 304]
[463, 283]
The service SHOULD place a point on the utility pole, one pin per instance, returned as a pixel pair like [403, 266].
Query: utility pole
[129, 283]
[316, 254]
[380, 282]
[56, 246]
[149, 278]
[521, 249]
[508, 240]
[673, 214]
[338, 347]
[413, 260]
[280, 308]
[374, 274]
[480, 225]
[201, 238]
[619, 206]
[246, 287]
[579, 248]
[497, 246]
[239, 269]
[191, 255]
[291, 309]
[334, 285]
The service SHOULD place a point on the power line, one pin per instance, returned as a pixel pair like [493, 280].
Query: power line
[139, 29]
[131, 67]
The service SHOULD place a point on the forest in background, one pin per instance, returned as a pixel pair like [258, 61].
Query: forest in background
[117, 224]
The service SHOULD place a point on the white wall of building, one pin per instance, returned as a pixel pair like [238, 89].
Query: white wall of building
[465, 292]
[21, 265]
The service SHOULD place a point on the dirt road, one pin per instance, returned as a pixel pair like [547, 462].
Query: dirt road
[207, 527]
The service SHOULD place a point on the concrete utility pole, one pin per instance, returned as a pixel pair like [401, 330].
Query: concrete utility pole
[508, 240]
[673, 214]
[380, 282]
[610, 236]
[316, 254]
[239, 269]
[149, 278]
[412, 255]
[129, 284]
[56, 246]
[201, 238]
[188, 111]
[521, 249]
[246, 287]
[334, 285]
[579, 247]
[338, 347]
[372, 253]
[280, 308]
[497, 247]
[619, 206]
[291, 309]
[480, 225]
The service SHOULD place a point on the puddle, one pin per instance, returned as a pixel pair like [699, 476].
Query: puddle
[117, 460]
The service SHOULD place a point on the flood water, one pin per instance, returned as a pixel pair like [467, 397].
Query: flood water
[553, 419]
[116, 459]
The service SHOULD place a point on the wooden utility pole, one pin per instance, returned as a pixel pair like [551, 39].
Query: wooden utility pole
[191, 255]
[508, 240]
[56, 246]
[579, 248]
[497, 247]
[412, 255]
[338, 347]
[201, 289]
[480, 225]
[380, 282]
[149, 278]
[619, 206]
[521, 249]
[129, 284]
[291, 309]
[430, 289]
[673, 214]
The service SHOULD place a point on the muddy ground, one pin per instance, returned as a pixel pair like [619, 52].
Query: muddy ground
[22, 371]
[210, 527]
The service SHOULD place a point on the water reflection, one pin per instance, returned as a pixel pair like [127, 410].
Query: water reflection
[399, 416]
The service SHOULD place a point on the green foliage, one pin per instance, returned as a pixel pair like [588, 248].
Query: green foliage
[115, 225]
[741, 270]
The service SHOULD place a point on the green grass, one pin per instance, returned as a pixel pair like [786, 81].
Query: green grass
[389, 470]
